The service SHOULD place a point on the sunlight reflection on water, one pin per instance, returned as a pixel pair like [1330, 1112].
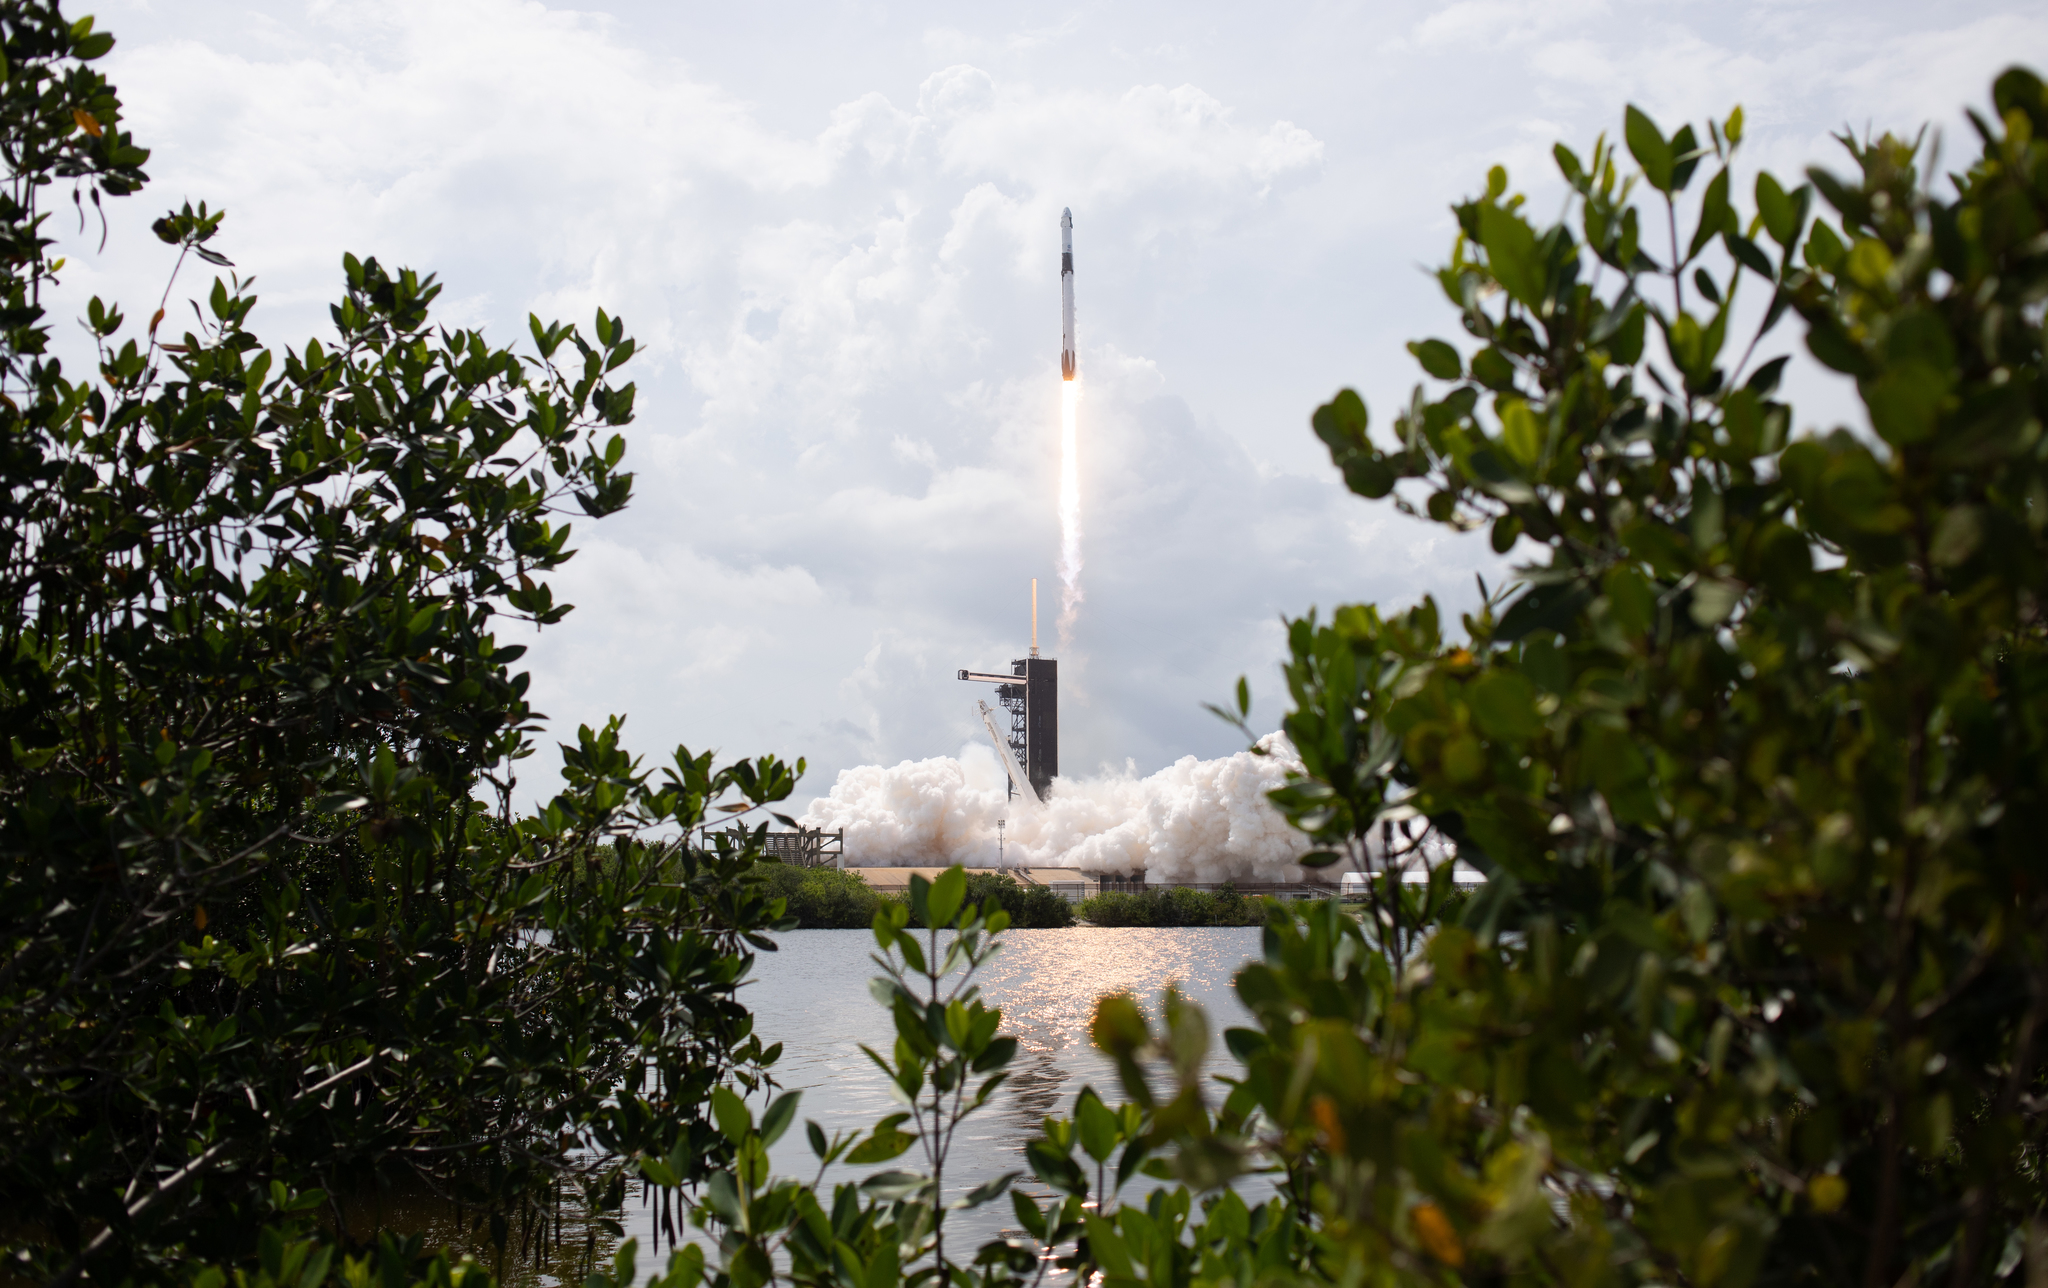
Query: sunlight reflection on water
[812, 996]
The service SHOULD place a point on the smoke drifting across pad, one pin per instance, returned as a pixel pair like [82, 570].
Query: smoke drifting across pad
[1196, 820]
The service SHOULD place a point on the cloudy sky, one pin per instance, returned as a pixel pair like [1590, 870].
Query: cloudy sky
[834, 229]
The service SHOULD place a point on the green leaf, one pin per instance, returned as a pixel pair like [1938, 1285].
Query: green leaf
[1827, 341]
[731, 1113]
[1765, 380]
[781, 1112]
[658, 1171]
[883, 1143]
[1341, 423]
[1550, 606]
[1055, 1167]
[1776, 209]
[1646, 143]
[1243, 1044]
[1522, 433]
[1119, 1027]
[1626, 346]
[1568, 164]
[723, 1197]
[1511, 254]
[1630, 599]
[1957, 536]
[885, 1268]
[1504, 706]
[1098, 1127]
[1716, 216]
[947, 892]
[1491, 368]
[1870, 263]
[1703, 282]
[1686, 155]
[893, 1185]
[1507, 529]
[1824, 250]
[1748, 254]
[1029, 1215]
[986, 1191]
[1437, 358]
[1905, 401]
[1106, 1246]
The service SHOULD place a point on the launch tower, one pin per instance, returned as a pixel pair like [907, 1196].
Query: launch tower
[1030, 694]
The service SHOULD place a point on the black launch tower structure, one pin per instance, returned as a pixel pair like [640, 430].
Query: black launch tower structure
[1031, 696]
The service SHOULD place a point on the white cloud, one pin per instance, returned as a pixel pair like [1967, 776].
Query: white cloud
[835, 233]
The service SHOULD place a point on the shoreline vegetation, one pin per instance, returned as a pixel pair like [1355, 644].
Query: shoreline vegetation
[841, 899]
[1172, 906]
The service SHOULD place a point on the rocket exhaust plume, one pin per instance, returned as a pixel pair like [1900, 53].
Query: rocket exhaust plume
[1070, 471]
[1070, 512]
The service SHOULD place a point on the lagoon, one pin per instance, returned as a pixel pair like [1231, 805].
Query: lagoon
[812, 996]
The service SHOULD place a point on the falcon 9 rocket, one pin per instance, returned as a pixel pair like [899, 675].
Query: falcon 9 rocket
[1066, 294]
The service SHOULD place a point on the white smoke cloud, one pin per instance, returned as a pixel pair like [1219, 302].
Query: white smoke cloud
[1195, 820]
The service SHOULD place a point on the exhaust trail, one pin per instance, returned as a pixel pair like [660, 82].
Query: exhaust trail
[1070, 511]
[1070, 465]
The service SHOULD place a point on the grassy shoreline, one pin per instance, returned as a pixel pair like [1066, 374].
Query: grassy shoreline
[841, 899]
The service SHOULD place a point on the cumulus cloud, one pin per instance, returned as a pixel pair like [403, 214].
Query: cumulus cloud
[835, 234]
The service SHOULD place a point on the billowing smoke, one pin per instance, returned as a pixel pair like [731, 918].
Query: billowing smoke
[1196, 820]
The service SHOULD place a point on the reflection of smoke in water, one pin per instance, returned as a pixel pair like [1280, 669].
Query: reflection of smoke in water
[1196, 820]
[1070, 511]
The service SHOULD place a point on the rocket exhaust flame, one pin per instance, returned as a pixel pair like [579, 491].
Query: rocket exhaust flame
[1070, 511]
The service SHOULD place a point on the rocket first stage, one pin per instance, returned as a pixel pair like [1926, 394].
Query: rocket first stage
[1066, 295]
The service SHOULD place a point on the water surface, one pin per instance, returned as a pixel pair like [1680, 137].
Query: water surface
[812, 996]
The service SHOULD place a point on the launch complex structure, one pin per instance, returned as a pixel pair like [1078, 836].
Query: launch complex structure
[1030, 696]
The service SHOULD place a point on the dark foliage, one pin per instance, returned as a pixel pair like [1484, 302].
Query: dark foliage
[1754, 754]
[1172, 906]
[259, 936]
[1030, 907]
[822, 898]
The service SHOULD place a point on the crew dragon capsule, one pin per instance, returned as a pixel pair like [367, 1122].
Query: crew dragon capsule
[1066, 294]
